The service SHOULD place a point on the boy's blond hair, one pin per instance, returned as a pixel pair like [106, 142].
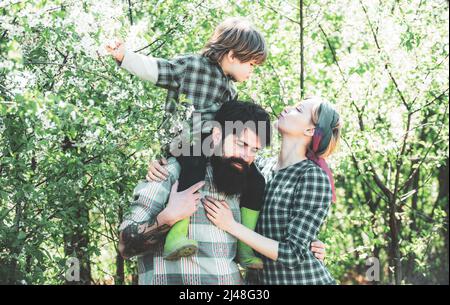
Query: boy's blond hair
[240, 36]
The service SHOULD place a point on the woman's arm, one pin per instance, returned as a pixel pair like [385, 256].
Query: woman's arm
[310, 208]
[266, 246]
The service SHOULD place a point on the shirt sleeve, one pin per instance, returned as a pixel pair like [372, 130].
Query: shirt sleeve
[171, 72]
[261, 162]
[144, 67]
[311, 203]
[150, 198]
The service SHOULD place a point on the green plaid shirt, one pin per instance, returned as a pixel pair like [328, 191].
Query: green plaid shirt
[213, 263]
[296, 203]
[201, 80]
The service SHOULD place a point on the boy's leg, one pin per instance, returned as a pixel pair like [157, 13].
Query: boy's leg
[193, 170]
[177, 244]
[251, 202]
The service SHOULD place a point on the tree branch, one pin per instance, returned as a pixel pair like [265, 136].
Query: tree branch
[378, 181]
[130, 13]
[432, 143]
[333, 52]
[386, 65]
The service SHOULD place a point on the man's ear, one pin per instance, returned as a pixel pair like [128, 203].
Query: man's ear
[309, 132]
[216, 135]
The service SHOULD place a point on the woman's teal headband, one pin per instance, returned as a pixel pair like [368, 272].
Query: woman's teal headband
[328, 118]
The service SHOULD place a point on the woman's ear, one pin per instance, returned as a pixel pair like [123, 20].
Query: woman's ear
[309, 132]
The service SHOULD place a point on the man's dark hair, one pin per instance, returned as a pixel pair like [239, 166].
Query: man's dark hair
[245, 112]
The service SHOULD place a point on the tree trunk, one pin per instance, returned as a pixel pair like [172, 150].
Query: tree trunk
[120, 274]
[443, 198]
[394, 246]
[409, 272]
[76, 243]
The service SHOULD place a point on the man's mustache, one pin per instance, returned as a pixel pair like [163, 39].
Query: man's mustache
[238, 161]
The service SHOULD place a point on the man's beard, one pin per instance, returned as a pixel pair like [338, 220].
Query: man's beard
[226, 177]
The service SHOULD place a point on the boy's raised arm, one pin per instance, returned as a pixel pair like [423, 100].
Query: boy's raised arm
[144, 67]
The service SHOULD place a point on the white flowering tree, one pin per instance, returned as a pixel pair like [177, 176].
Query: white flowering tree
[77, 132]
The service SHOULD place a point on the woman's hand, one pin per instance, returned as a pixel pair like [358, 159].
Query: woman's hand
[156, 171]
[219, 213]
[318, 249]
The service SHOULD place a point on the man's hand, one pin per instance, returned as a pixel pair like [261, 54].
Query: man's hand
[181, 204]
[318, 249]
[117, 50]
[139, 238]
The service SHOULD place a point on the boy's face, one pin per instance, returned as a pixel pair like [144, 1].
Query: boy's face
[239, 71]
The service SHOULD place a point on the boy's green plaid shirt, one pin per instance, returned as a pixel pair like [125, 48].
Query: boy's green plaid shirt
[214, 262]
[194, 77]
[296, 203]
[199, 79]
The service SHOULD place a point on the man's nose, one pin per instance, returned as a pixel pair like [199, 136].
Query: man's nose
[247, 156]
[244, 155]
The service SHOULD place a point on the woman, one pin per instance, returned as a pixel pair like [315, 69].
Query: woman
[299, 191]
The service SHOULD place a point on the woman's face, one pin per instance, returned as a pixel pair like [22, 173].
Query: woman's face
[296, 121]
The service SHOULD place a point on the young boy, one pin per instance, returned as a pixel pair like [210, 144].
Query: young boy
[207, 80]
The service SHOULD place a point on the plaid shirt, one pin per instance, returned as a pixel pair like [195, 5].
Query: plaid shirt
[201, 80]
[213, 263]
[296, 202]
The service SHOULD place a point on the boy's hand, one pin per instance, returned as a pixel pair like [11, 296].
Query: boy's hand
[156, 171]
[117, 50]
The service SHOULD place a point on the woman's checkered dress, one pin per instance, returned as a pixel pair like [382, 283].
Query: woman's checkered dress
[296, 203]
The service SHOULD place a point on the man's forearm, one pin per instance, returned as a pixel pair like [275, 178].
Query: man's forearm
[138, 238]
